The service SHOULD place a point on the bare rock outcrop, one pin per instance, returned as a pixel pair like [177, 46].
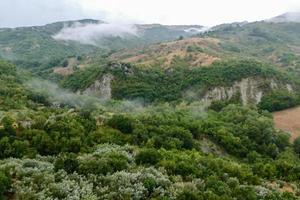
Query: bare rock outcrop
[251, 90]
[101, 87]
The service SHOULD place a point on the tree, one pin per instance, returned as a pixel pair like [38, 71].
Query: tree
[181, 37]
[148, 156]
[188, 194]
[5, 183]
[122, 123]
[68, 162]
[297, 145]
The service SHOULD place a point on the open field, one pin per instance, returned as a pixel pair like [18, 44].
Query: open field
[288, 120]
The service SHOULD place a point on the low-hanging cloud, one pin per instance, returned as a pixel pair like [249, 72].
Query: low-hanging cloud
[91, 33]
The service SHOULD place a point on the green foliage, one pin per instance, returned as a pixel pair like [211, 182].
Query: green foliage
[148, 156]
[162, 152]
[81, 79]
[297, 145]
[122, 123]
[67, 162]
[5, 183]
[157, 84]
[259, 40]
[218, 105]
[189, 195]
[279, 100]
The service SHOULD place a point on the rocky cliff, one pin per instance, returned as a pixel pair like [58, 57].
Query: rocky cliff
[101, 87]
[251, 90]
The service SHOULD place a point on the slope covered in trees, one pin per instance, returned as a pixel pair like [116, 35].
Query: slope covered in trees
[155, 138]
[159, 152]
[158, 84]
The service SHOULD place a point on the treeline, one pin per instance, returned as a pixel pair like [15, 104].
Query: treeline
[279, 100]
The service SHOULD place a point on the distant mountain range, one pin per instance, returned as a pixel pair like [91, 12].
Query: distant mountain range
[44, 44]
[46, 47]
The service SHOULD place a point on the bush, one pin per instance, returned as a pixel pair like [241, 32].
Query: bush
[148, 156]
[5, 182]
[122, 123]
[297, 145]
[278, 100]
[189, 195]
[67, 162]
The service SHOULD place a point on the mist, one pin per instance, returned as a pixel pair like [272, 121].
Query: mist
[91, 33]
[58, 96]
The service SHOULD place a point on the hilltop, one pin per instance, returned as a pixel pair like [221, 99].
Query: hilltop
[40, 46]
[273, 43]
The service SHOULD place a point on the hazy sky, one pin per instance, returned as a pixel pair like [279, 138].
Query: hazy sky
[204, 12]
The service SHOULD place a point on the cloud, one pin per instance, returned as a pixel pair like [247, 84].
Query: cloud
[91, 33]
[203, 12]
[15, 13]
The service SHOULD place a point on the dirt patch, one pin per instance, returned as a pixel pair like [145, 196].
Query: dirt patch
[282, 187]
[72, 63]
[288, 120]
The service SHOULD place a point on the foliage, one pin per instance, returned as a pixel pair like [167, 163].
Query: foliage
[279, 100]
[157, 84]
[5, 183]
[297, 145]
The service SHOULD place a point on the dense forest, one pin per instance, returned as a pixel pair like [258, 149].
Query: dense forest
[159, 151]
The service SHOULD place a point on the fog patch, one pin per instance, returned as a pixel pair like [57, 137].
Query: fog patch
[58, 96]
[194, 30]
[91, 33]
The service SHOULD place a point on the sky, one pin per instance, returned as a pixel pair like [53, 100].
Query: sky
[15, 13]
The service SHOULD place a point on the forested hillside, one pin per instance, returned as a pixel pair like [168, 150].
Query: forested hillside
[274, 43]
[155, 112]
[38, 47]
[161, 151]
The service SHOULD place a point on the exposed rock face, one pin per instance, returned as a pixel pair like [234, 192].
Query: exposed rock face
[101, 87]
[251, 90]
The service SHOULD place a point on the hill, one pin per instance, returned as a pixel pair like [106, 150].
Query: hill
[247, 79]
[149, 111]
[46, 46]
[273, 43]
[286, 17]
[165, 151]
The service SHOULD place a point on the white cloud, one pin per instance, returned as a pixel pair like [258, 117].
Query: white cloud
[203, 12]
[90, 33]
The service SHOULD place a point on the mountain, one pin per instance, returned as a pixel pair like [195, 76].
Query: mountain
[47, 45]
[273, 43]
[149, 112]
[286, 17]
